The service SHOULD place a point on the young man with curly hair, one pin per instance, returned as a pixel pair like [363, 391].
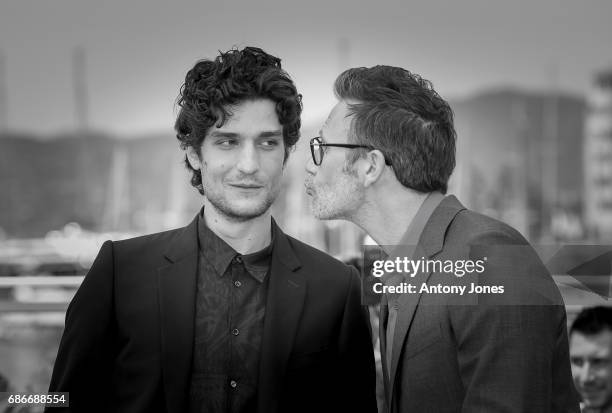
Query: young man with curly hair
[228, 314]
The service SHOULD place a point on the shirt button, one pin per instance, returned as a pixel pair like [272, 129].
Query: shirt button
[238, 259]
[235, 332]
[233, 384]
[237, 283]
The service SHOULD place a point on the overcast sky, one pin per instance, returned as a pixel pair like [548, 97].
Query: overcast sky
[137, 52]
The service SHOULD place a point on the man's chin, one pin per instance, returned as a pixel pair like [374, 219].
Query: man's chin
[242, 211]
[246, 213]
[595, 401]
[322, 217]
[322, 214]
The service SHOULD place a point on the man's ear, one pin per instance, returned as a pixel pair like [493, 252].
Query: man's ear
[373, 167]
[193, 157]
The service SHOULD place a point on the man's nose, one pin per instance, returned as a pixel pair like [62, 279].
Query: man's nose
[586, 373]
[310, 166]
[248, 160]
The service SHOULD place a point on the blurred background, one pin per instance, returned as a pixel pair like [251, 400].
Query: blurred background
[88, 153]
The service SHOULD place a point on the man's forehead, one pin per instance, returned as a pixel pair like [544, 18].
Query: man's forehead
[341, 110]
[599, 344]
[333, 114]
[339, 118]
[249, 116]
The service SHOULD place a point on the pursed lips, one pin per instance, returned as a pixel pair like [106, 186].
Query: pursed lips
[308, 188]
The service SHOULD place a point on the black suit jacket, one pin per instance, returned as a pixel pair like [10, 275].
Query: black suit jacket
[128, 339]
[490, 354]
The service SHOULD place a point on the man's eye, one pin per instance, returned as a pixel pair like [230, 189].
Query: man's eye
[576, 361]
[600, 362]
[270, 143]
[227, 142]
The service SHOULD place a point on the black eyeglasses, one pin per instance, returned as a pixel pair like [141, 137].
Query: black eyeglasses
[316, 149]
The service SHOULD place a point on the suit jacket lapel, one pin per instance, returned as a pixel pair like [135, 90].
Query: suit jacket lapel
[430, 243]
[382, 335]
[286, 293]
[177, 294]
[407, 304]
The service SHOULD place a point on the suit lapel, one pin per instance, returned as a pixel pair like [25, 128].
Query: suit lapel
[430, 243]
[382, 334]
[407, 305]
[284, 303]
[177, 294]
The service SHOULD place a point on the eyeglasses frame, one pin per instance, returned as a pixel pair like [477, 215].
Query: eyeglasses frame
[336, 145]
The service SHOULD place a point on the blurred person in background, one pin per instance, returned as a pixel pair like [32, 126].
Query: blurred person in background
[6, 390]
[228, 314]
[591, 358]
[382, 161]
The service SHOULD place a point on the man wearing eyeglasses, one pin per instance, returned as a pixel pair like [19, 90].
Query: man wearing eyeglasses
[228, 314]
[481, 329]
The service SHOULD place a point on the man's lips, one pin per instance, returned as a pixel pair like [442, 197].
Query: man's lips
[590, 392]
[309, 189]
[246, 186]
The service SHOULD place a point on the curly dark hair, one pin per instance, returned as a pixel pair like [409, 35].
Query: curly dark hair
[400, 114]
[211, 88]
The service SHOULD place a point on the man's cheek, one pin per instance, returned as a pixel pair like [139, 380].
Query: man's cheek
[325, 177]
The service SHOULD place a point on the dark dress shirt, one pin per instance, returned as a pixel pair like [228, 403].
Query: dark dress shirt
[230, 309]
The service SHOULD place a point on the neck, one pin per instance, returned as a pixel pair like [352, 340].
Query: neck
[385, 215]
[243, 236]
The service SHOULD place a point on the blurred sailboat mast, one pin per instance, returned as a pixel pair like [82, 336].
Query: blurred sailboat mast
[550, 153]
[79, 80]
[3, 94]
[118, 194]
[344, 54]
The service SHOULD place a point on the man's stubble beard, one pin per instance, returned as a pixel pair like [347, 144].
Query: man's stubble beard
[223, 207]
[340, 200]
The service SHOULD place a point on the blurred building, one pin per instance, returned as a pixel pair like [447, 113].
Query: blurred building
[137, 185]
[96, 180]
[519, 159]
[598, 159]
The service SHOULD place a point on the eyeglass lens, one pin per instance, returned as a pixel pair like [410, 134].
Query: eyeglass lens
[317, 152]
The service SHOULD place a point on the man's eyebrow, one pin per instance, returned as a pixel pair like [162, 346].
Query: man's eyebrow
[219, 134]
[264, 134]
[271, 133]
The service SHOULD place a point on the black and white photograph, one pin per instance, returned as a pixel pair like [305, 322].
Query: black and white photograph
[291, 207]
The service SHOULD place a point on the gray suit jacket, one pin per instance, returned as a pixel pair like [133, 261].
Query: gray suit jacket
[487, 353]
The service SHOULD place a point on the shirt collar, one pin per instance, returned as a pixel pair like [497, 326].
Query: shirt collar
[220, 254]
[417, 225]
[258, 263]
[407, 245]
